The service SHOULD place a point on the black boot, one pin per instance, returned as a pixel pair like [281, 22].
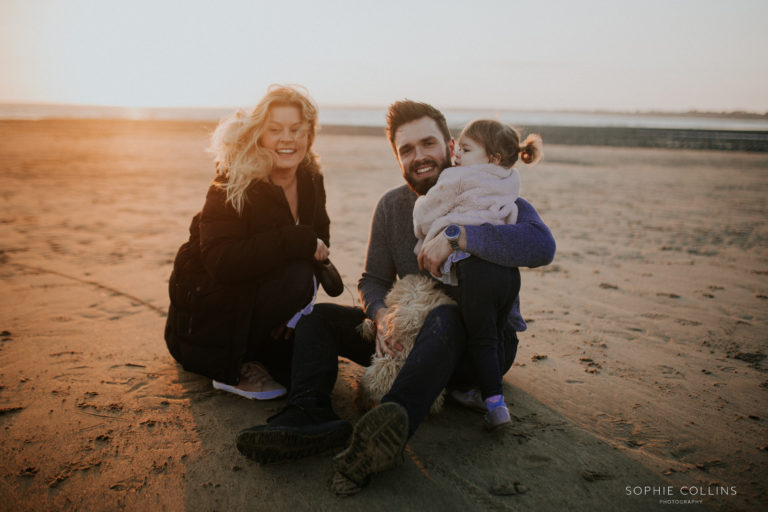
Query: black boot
[293, 433]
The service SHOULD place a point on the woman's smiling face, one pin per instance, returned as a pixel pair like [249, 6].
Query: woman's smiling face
[287, 136]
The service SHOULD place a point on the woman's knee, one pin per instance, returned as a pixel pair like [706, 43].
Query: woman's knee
[282, 296]
[290, 284]
[297, 273]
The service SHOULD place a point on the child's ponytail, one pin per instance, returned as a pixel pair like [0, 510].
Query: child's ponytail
[501, 139]
[531, 149]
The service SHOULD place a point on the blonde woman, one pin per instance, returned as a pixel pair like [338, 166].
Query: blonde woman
[246, 274]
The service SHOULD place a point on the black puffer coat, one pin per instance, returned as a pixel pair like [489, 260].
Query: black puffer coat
[217, 272]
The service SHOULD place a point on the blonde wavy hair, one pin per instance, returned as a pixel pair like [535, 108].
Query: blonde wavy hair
[239, 157]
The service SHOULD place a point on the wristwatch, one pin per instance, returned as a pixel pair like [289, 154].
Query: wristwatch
[452, 233]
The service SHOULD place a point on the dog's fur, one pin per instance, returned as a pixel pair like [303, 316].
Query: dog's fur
[409, 302]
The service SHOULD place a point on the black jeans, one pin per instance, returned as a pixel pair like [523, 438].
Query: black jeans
[436, 361]
[277, 300]
[486, 293]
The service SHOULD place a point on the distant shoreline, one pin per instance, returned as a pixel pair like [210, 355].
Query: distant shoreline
[669, 138]
[716, 140]
[209, 113]
[722, 140]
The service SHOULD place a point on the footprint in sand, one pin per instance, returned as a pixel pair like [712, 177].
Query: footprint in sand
[671, 373]
[593, 476]
[590, 365]
[70, 353]
[56, 247]
[632, 435]
[534, 461]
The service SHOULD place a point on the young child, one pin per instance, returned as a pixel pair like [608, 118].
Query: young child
[482, 188]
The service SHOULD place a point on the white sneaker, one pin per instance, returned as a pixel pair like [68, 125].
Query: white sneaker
[470, 399]
[255, 383]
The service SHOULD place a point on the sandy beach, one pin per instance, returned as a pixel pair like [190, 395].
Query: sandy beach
[640, 384]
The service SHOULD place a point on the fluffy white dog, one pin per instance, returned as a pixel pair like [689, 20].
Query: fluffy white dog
[409, 301]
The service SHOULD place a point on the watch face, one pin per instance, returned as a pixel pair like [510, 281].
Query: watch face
[452, 231]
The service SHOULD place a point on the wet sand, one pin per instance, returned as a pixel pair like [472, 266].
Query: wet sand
[643, 365]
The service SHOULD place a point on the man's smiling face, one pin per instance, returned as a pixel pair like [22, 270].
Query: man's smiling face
[422, 152]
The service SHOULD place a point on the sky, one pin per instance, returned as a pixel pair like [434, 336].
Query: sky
[673, 55]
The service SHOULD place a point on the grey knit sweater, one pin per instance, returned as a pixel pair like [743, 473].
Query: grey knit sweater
[528, 243]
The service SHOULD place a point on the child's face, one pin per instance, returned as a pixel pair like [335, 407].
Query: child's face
[470, 152]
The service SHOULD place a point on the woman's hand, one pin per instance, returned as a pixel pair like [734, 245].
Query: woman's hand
[322, 252]
[382, 340]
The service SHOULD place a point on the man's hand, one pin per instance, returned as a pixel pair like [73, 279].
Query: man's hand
[433, 254]
[382, 341]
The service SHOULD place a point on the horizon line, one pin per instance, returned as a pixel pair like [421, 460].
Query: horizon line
[697, 112]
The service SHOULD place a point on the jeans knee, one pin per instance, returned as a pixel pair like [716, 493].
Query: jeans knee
[444, 323]
[446, 316]
[299, 272]
[319, 318]
[328, 317]
[479, 278]
[295, 282]
[285, 293]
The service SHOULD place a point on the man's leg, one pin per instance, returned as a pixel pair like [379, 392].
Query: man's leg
[430, 364]
[308, 425]
[380, 435]
[328, 332]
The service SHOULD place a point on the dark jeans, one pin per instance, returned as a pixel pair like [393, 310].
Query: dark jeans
[277, 300]
[436, 361]
[486, 293]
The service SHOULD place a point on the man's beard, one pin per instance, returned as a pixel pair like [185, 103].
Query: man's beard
[421, 187]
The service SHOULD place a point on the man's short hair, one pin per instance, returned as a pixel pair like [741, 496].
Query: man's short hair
[405, 111]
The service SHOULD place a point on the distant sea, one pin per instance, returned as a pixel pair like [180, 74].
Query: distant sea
[746, 132]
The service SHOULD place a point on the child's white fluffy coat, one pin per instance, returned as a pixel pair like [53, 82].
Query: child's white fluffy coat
[467, 196]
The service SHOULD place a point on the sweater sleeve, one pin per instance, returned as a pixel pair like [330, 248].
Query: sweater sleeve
[379, 272]
[528, 243]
